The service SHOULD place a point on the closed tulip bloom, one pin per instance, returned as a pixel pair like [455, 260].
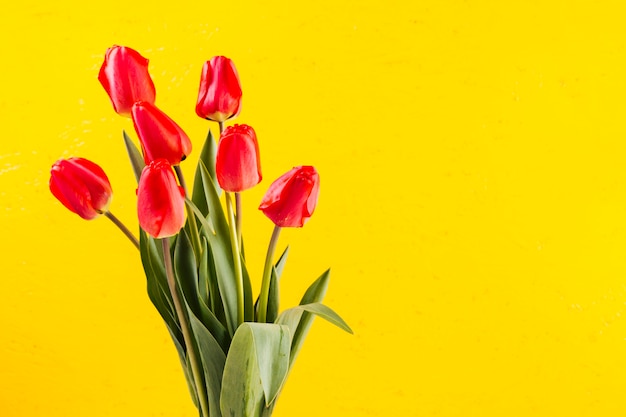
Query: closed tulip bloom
[291, 199]
[160, 200]
[81, 186]
[159, 135]
[124, 76]
[219, 97]
[237, 163]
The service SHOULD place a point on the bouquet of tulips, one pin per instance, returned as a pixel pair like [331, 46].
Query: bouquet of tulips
[236, 351]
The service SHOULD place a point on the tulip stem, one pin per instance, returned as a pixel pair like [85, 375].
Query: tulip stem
[196, 367]
[123, 228]
[191, 219]
[267, 273]
[234, 243]
[238, 211]
[221, 125]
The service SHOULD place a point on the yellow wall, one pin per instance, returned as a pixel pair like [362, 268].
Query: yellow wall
[473, 202]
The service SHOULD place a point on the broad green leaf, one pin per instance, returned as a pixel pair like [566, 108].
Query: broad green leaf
[242, 391]
[213, 361]
[271, 343]
[136, 159]
[207, 156]
[255, 370]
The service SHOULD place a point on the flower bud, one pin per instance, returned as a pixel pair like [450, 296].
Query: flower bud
[237, 163]
[291, 199]
[159, 135]
[124, 76]
[219, 97]
[81, 186]
[160, 200]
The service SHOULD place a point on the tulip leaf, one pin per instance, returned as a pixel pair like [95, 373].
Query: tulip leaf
[185, 271]
[208, 290]
[158, 290]
[299, 320]
[221, 249]
[159, 294]
[280, 264]
[247, 293]
[207, 157]
[298, 317]
[327, 314]
[213, 360]
[189, 378]
[136, 159]
[255, 370]
[274, 295]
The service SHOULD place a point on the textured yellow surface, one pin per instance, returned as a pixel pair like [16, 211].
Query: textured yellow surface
[473, 202]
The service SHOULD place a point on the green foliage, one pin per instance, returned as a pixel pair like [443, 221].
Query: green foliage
[243, 365]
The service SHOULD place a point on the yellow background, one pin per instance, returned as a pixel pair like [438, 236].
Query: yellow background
[472, 156]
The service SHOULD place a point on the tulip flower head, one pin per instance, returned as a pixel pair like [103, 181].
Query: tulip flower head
[124, 76]
[159, 135]
[160, 200]
[291, 199]
[219, 97]
[82, 187]
[237, 164]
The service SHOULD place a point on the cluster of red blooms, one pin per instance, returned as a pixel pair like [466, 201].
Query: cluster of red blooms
[83, 187]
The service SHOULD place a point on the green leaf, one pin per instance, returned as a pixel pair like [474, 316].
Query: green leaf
[299, 320]
[273, 301]
[208, 290]
[159, 294]
[136, 159]
[249, 309]
[280, 264]
[327, 314]
[255, 370]
[158, 290]
[186, 272]
[213, 360]
[207, 157]
[219, 243]
[273, 297]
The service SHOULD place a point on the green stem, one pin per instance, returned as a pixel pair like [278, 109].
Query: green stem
[234, 243]
[191, 219]
[267, 273]
[123, 228]
[196, 367]
[238, 211]
[221, 125]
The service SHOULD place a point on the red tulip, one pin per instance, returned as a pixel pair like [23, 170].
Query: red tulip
[81, 186]
[291, 199]
[160, 136]
[124, 75]
[219, 97]
[237, 164]
[160, 200]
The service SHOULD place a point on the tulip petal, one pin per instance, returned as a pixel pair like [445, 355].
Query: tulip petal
[160, 200]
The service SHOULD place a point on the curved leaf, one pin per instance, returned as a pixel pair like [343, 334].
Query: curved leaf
[256, 367]
[136, 158]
